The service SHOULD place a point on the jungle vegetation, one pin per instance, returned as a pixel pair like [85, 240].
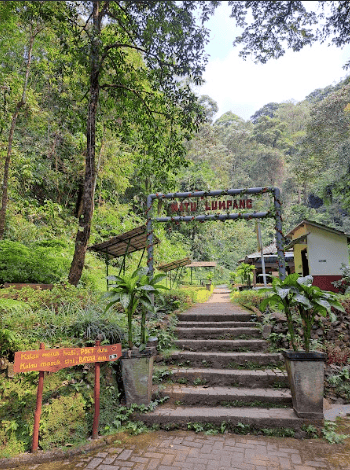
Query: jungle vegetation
[96, 113]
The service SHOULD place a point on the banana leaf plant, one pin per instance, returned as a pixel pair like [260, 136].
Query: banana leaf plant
[297, 296]
[134, 290]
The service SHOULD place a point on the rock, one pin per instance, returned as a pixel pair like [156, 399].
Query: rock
[3, 363]
[340, 401]
[10, 371]
[300, 435]
[279, 316]
[266, 331]
[326, 404]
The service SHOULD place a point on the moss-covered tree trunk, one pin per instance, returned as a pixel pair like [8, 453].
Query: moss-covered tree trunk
[85, 218]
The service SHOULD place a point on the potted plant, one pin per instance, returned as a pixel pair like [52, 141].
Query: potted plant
[210, 276]
[132, 291]
[298, 298]
[232, 278]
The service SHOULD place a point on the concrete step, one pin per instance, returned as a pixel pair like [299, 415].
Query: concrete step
[218, 324]
[241, 345]
[223, 360]
[225, 396]
[231, 377]
[217, 333]
[215, 317]
[250, 418]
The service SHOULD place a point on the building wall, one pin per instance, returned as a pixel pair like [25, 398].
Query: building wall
[298, 248]
[326, 252]
[297, 258]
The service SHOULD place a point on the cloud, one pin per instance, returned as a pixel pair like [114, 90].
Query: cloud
[243, 87]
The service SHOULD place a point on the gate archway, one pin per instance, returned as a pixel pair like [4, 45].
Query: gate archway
[276, 214]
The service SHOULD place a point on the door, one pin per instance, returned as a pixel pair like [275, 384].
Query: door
[305, 262]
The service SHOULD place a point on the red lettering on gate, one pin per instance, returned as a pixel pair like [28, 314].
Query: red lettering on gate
[235, 206]
[249, 203]
[214, 205]
[222, 205]
[242, 204]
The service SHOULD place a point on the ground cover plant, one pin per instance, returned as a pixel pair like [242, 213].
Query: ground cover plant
[68, 317]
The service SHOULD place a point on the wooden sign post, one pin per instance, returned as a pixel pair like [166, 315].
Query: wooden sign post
[52, 360]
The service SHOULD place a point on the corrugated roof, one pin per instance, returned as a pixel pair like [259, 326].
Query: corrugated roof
[128, 242]
[202, 264]
[270, 250]
[267, 250]
[174, 265]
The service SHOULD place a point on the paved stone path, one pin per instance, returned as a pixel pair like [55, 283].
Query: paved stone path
[185, 450]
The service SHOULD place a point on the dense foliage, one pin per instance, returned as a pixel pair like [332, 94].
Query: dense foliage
[300, 147]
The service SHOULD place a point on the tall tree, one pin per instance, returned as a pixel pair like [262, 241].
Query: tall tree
[170, 38]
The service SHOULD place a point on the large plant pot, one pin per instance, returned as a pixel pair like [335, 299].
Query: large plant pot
[306, 380]
[208, 286]
[137, 370]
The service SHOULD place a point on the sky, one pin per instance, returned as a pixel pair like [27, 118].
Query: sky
[244, 87]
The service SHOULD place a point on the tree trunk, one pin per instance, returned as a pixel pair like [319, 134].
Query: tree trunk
[83, 234]
[19, 105]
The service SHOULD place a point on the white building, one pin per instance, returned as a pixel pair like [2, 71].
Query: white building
[320, 251]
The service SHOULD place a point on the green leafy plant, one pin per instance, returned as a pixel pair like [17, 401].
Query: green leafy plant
[243, 271]
[8, 343]
[132, 290]
[296, 296]
[330, 434]
[343, 285]
[199, 381]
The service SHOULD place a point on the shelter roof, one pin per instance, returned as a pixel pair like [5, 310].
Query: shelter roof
[127, 242]
[269, 251]
[318, 225]
[174, 265]
[202, 264]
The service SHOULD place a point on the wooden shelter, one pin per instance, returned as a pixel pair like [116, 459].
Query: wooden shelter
[270, 260]
[122, 245]
[172, 266]
[200, 264]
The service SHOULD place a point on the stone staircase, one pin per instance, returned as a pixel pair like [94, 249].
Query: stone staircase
[222, 371]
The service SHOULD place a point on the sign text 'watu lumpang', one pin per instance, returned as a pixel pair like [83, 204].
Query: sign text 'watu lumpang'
[212, 205]
[52, 360]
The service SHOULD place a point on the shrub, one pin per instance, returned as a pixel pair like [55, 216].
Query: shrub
[63, 422]
[36, 264]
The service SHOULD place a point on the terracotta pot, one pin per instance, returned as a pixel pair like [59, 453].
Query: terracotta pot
[306, 380]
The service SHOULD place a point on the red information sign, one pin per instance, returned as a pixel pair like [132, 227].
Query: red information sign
[55, 359]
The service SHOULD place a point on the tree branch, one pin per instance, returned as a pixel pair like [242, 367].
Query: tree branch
[150, 111]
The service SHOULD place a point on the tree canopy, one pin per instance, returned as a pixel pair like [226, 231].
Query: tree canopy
[276, 26]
